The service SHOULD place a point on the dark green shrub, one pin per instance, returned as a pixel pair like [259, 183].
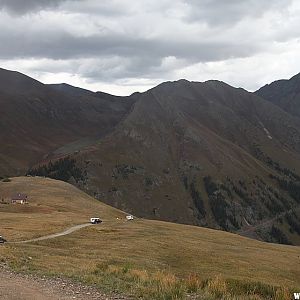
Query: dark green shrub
[210, 186]
[293, 222]
[62, 169]
[278, 236]
[197, 198]
[6, 180]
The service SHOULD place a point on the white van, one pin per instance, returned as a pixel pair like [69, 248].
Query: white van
[129, 217]
[95, 220]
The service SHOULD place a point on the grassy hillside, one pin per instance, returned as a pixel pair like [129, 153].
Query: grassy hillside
[153, 259]
[53, 206]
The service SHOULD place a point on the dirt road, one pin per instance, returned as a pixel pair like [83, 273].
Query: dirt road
[15, 286]
[52, 236]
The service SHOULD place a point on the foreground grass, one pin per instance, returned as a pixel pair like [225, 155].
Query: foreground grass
[163, 285]
[147, 259]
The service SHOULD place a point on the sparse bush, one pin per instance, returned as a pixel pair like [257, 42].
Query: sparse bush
[219, 206]
[227, 189]
[243, 195]
[193, 283]
[197, 198]
[259, 154]
[210, 186]
[6, 179]
[278, 236]
[217, 286]
[292, 187]
[293, 222]
[185, 182]
[148, 181]
[124, 170]
[166, 171]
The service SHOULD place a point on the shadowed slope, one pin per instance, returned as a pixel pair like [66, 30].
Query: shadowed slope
[36, 119]
[198, 153]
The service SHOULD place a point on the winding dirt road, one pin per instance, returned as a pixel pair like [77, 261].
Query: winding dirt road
[14, 286]
[52, 236]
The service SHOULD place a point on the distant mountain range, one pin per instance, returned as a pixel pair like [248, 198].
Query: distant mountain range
[205, 154]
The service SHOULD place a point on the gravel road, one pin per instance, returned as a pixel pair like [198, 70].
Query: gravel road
[14, 286]
[52, 236]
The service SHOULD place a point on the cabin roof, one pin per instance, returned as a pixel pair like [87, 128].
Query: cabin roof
[19, 196]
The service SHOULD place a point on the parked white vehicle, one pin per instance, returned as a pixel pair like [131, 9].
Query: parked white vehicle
[129, 217]
[95, 220]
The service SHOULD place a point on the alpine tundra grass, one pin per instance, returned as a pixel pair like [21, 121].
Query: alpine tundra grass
[142, 258]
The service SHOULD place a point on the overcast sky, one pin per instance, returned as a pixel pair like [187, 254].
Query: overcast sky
[122, 46]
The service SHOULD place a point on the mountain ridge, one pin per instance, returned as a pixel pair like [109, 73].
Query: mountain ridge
[200, 153]
[283, 93]
[39, 119]
[154, 131]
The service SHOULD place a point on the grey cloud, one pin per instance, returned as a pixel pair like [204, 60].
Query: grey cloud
[107, 8]
[90, 7]
[63, 45]
[107, 41]
[117, 55]
[25, 6]
[216, 12]
[114, 68]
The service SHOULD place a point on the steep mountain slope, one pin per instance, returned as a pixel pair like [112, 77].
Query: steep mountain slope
[204, 154]
[197, 153]
[37, 119]
[284, 93]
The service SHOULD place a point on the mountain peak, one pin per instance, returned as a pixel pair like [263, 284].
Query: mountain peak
[16, 82]
[296, 77]
[285, 93]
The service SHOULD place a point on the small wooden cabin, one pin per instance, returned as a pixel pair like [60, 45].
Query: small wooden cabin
[19, 198]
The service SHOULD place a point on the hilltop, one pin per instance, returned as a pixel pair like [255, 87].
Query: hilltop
[117, 253]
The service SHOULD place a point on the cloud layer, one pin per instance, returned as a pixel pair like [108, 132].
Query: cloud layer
[23, 7]
[122, 46]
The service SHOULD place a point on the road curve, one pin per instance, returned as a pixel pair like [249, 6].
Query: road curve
[52, 236]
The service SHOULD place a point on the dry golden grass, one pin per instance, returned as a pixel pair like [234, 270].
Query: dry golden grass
[53, 206]
[141, 257]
